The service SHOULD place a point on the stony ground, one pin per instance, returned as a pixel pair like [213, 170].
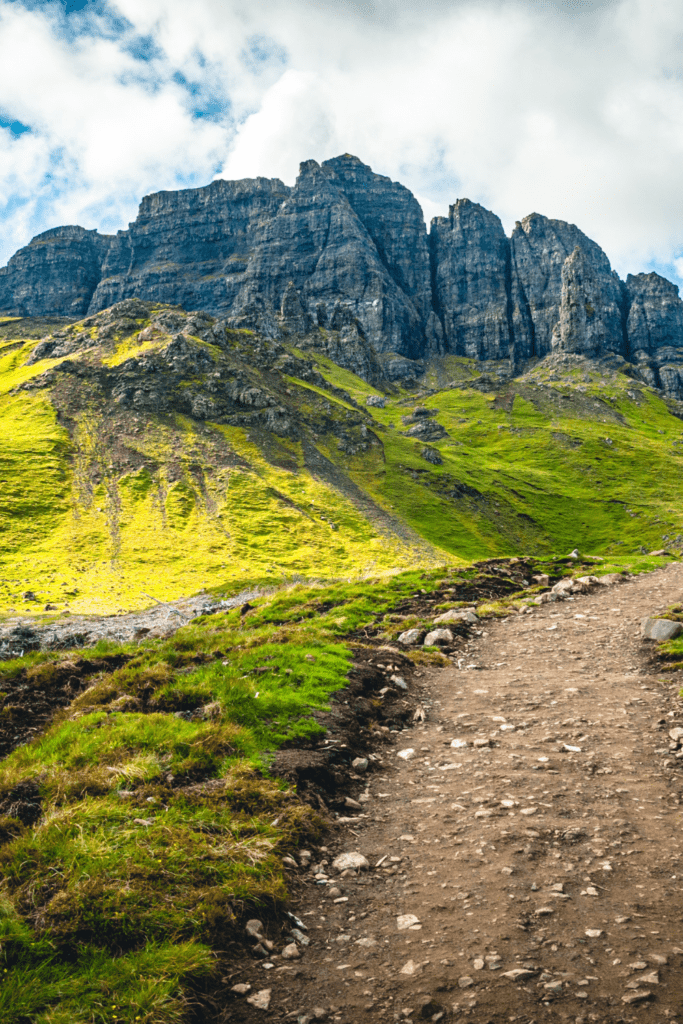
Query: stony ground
[524, 841]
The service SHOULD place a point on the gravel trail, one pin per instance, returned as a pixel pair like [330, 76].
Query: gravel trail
[532, 839]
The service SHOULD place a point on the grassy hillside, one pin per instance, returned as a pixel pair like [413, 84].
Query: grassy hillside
[107, 503]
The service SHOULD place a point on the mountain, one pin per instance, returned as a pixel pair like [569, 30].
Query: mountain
[347, 250]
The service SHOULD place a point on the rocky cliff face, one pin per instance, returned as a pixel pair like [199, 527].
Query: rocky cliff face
[345, 259]
[58, 271]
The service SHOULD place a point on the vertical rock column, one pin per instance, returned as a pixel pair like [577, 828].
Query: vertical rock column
[540, 248]
[471, 275]
[590, 310]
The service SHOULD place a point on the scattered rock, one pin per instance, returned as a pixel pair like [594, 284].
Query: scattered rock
[639, 996]
[291, 952]
[360, 764]
[289, 862]
[406, 754]
[437, 637]
[548, 598]
[465, 981]
[254, 929]
[350, 861]
[406, 921]
[478, 964]
[261, 999]
[411, 636]
[456, 615]
[660, 629]
[241, 989]
[399, 681]
[410, 968]
[594, 933]
[661, 552]
[353, 804]
[519, 974]
[378, 401]
[431, 455]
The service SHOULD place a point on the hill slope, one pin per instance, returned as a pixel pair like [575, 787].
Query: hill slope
[146, 453]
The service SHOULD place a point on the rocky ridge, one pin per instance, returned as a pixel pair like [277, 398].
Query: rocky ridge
[347, 250]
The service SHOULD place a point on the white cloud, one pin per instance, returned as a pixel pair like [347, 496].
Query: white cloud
[573, 108]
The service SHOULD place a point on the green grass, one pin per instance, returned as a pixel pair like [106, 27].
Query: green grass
[118, 505]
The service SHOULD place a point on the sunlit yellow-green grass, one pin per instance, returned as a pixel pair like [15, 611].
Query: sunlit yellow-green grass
[118, 543]
[538, 465]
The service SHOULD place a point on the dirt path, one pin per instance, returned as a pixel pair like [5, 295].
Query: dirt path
[563, 865]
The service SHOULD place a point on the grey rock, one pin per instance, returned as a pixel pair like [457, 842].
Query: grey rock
[427, 430]
[457, 615]
[471, 259]
[241, 989]
[254, 929]
[655, 317]
[261, 999]
[660, 629]
[540, 248]
[360, 764]
[639, 996]
[354, 861]
[437, 637]
[57, 273]
[378, 401]
[343, 263]
[411, 636]
[431, 455]
[291, 952]
[591, 306]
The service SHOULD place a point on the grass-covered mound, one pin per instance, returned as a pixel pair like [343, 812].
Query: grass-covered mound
[141, 829]
[139, 464]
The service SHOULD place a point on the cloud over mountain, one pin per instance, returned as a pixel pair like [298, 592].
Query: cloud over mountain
[573, 109]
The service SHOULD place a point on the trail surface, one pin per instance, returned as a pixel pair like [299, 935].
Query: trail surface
[564, 865]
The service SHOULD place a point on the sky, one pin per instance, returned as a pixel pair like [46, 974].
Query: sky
[570, 108]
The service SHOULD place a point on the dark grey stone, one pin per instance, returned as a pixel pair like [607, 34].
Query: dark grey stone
[343, 263]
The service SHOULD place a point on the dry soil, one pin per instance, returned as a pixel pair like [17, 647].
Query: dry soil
[532, 853]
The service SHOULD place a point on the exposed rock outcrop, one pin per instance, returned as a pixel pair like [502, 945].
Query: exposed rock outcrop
[471, 258]
[343, 262]
[590, 309]
[57, 272]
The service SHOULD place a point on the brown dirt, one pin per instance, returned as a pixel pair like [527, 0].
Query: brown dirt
[597, 850]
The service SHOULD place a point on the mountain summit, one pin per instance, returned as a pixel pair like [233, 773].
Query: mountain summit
[347, 249]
